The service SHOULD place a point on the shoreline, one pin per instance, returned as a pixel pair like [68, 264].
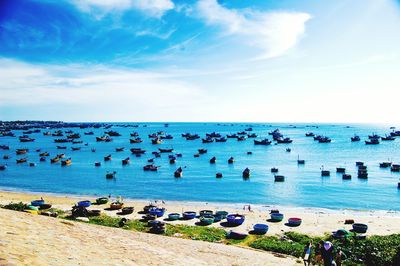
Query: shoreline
[230, 205]
[315, 221]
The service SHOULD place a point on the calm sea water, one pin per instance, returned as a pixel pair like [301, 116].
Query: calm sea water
[303, 185]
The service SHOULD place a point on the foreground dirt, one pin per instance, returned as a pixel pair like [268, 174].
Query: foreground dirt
[27, 239]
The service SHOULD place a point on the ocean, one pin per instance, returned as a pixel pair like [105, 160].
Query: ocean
[303, 186]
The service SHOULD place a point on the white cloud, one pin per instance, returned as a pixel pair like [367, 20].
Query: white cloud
[153, 8]
[90, 87]
[274, 32]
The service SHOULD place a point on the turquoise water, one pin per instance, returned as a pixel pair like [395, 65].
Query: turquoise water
[303, 185]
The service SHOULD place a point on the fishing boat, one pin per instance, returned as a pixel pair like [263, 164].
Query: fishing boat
[3, 167]
[97, 164]
[62, 140]
[166, 137]
[102, 200]
[386, 138]
[274, 170]
[137, 151]
[324, 140]
[150, 167]
[213, 160]
[6, 157]
[21, 151]
[159, 212]
[156, 141]
[232, 136]
[220, 139]
[241, 138]
[25, 139]
[262, 142]
[372, 142]
[340, 170]
[136, 140]
[300, 161]
[4, 147]
[202, 151]
[174, 216]
[284, 140]
[119, 149]
[235, 219]
[66, 162]
[55, 159]
[279, 178]
[165, 150]
[207, 219]
[310, 134]
[213, 135]
[346, 177]
[74, 136]
[116, 205]
[107, 158]
[246, 173]
[252, 135]
[276, 216]
[260, 229]
[75, 148]
[22, 160]
[172, 159]
[395, 168]
[294, 221]
[188, 215]
[111, 175]
[112, 133]
[84, 203]
[89, 133]
[231, 160]
[385, 164]
[178, 172]
[126, 161]
[207, 140]
[218, 175]
[355, 138]
[325, 173]
[127, 210]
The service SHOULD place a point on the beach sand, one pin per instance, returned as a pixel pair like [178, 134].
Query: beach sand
[315, 221]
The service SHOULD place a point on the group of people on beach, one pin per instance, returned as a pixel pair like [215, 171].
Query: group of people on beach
[325, 253]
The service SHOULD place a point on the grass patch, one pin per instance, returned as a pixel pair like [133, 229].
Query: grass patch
[209, 234]
[20, 206]
[272, 243]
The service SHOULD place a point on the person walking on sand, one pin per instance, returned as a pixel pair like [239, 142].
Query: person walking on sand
[307, 253]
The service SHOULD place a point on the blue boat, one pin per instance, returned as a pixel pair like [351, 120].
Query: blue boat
[220, 215]
[84, 203]
[360, 228]
[235, 219]
[159, 212]
[174, 216]
[189, 215]
[37, 202]
[277, 217]
[260, 229]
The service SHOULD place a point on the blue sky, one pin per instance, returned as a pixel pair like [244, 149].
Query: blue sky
[200, 60]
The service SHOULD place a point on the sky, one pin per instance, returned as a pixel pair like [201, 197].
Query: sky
[200, 60]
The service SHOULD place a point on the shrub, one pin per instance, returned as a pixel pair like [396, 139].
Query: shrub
[16, 206]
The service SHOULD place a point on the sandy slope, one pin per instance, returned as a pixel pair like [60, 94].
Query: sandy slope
[27, 239]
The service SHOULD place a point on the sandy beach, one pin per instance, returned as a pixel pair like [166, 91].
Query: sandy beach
[27, 239]
[315, 221]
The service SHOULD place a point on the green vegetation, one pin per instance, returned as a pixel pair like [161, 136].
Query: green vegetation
[372, 251]
[20, 206]
[209, 234]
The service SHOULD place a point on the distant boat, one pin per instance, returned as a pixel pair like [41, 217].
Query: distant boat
[355, 138]
[372, 142]
[111, 175]
[386, 138]
[165, 150]
[178, 172]
[137, 151]
[246, 173]
[150, 167]
[310, 134]
[66, 162]
[262, 142]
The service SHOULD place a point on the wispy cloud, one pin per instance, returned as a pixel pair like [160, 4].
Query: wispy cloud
[153, 8]
[274, 32]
